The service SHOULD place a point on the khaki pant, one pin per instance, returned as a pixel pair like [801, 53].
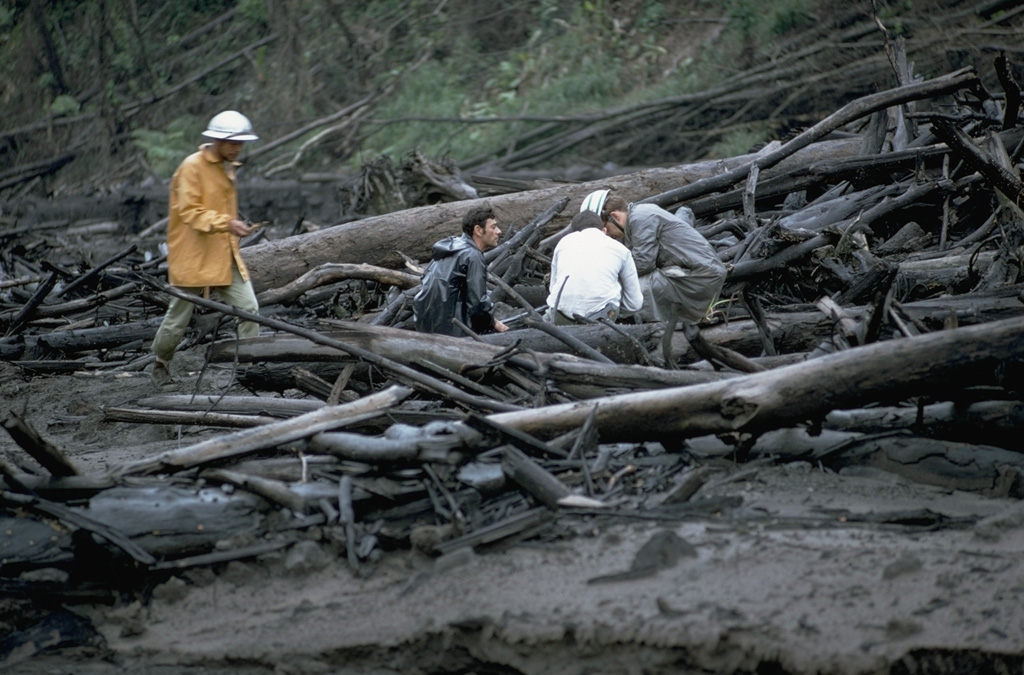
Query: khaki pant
[179, 313]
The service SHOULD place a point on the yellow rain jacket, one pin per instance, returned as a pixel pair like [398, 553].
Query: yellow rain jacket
[203, 201]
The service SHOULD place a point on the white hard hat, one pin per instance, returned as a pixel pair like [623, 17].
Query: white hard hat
[594, 201]
[231, 126]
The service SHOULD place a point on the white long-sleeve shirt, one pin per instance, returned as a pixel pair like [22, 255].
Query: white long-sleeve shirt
[589, 270]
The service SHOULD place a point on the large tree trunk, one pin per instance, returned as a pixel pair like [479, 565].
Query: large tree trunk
[934, 364]
[378, 240]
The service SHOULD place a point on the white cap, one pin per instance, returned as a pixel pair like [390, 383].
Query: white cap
[594, 201]
[231, 126]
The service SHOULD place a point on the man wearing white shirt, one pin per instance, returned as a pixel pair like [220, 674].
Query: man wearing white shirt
[592, 275]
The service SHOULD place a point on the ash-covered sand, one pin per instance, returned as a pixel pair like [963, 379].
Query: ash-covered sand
[816, 572]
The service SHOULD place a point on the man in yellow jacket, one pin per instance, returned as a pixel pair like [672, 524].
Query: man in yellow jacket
[203, 230]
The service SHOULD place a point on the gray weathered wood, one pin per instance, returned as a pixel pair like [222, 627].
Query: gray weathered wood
[333, 272]
[927, 364]
[241, 405]
[43, 451]
[376, 240]
[193, 418]
[270, 435]
[271, 490]
[532, 477]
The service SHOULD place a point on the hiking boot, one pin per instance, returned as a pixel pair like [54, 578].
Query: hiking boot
[161, 374]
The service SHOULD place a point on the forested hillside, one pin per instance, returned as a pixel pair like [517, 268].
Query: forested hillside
[96, 94]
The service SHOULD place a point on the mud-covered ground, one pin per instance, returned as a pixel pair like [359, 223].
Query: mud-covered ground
[814, 572]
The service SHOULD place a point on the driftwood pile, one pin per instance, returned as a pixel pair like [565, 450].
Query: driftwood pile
[873, 316]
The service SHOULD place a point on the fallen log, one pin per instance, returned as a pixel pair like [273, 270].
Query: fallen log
[933, 364]
[563, 370]
[376, 240]
[49, 456]
[269, 435]
[204, 418]
[271, 490]
[240, 405]
[532, 477]
[619, 343]
[93, 275]
[76, 340]
[998, 422]
[56, 489]
[78, 520]
[406, 374]
[14, 320]
[586, 380]
[1001, 177]
[974, 467]
[793, 332]
[966, 465]
[361, 448]
[171, 521]
[333, 272]
[715, 354]
[822, 214]
[828, 171]
[38, 310]
[965, 78]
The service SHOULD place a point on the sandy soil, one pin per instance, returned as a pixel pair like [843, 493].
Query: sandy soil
[815, 572]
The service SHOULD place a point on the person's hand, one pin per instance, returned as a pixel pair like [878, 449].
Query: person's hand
[499, 326]
[239, 228]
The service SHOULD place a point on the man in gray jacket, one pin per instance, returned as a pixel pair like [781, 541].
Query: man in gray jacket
[680, 273]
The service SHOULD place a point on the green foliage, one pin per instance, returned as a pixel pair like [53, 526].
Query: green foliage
[789, 15]
[562, 68]
[888, 10]
[6, 17]
[651, 18]
[166, 148]
[64, 105]
[253, 10]
[738, 142]
[759, 20]
[746, 14]
[523, 59]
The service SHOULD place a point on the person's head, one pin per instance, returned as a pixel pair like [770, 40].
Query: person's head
[612, 209]
[480, 225]
[585, 220]
[229, 130]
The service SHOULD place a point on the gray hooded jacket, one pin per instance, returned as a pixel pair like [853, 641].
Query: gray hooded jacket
[680, 273]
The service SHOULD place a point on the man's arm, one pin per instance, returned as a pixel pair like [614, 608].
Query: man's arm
[479, 307]
[632, 297]
[188, 199]
[643, 241]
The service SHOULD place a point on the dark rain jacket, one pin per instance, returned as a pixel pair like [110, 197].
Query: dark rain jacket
[454, 285]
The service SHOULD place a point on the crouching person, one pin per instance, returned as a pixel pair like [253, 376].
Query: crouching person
[680, 273]
[592, 275]
[455, 283]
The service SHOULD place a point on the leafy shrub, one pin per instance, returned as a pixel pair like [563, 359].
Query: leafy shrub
[167, 147]
[64, 105]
